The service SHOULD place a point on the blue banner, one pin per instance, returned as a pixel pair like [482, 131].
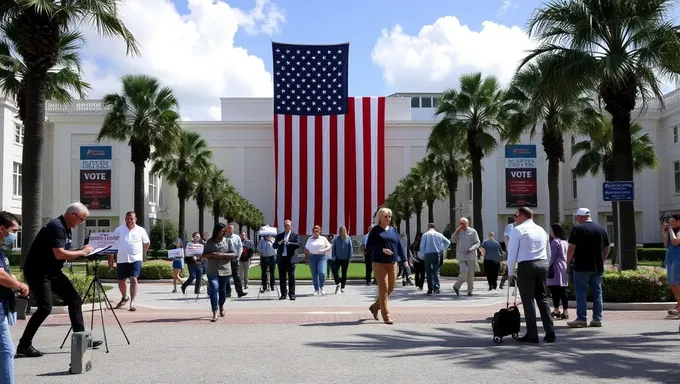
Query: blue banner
[516, 151]
[95, 152]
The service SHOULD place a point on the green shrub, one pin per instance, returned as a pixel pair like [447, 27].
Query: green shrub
[451, 268]
[156, 235]
[642, 286]
[651, 254]
[568, 225]
[157, 254]
[151, 270]
[14, 257]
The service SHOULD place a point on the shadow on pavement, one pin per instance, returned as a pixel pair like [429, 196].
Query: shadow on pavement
[170, 320]
[337, 324]
[575, 353]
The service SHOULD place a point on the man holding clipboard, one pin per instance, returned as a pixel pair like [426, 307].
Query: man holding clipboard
[43, 273]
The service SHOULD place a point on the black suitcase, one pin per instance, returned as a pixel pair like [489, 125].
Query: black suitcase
[506, 322]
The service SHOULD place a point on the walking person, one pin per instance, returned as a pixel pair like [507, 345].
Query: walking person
[385, 248]
[467, 242]
[315, 255]
[133, 242]
[267, 262]
[177, 266]
[557, 271]
[342, 254]
[235, 241]
[9, 226]
[286, 244]
[219, 253]
[491, 251]
[405, 269]
[418, 262]
[670, 232]
[432, 244]
[244, 261]
[588, 248]
[367, 258]
[529, 248]
[194, 263]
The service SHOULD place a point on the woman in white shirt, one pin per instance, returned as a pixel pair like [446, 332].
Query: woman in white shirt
[315, 256]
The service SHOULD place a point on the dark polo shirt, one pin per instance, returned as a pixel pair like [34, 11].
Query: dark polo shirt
[40, 258]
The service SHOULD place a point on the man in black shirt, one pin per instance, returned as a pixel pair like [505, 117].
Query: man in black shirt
[588, 248]
[42, 271]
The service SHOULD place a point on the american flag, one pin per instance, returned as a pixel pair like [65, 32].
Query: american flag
[329, 148]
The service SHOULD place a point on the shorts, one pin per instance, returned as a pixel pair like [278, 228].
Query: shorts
[177, 263]
[126, 270]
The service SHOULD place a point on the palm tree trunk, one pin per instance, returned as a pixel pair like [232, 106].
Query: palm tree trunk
[139, 193]
[32, 160]
[452, 203]
[554, 189]
[622, 150]
[615, 231]
[419, 219]
[477, 221]
[201, 217]
[407, 221]
[182, 212]
[216, 213]
[430, 211]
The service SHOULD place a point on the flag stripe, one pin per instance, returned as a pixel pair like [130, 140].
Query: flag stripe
[325, 174]
[304, 166]
[368, 164]
[295, 165]
[350, 165]
[374, 158]
[318, 170]
[381, 150]
[333, 174]
[276, 170]
[309, 203]
[340, 172]
[288, 168]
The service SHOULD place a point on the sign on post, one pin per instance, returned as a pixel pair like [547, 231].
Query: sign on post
[618, 191]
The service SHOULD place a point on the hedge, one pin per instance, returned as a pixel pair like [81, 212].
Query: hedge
[151, 270]
[451, 268]
[80, 283]
[651, 254]
[642, 286]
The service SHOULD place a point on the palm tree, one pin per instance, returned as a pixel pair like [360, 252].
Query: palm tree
[415, 183]
[433, 185]
[145, 115]
[558, 110]
[474, 112]
[179, 167]
[616, 48]
[597, 155]
[207, 188]
[62, 79]
[40, 25]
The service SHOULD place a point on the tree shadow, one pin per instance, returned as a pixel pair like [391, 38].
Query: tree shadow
[171, 320]
[585, 354]
[336, 324]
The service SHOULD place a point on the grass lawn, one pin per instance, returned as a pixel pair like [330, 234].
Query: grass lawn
[645, 263]
[302, 272]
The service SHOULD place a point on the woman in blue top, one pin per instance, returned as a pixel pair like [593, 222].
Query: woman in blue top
[384, 246]
[671, 240]
[342, 253]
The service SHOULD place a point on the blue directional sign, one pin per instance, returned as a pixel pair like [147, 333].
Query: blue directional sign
[618, 191]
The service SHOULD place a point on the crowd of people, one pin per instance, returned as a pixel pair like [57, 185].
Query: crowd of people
[538, 263]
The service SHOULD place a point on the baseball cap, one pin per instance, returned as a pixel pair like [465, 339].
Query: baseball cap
[582, 212]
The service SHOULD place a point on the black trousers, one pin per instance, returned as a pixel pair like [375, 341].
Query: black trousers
[491, 269]
[369, 267]
[237, 279]
[531, 276]
[419, 268]
[287, 275]
[268, 264]
[559, 294]
[340, 272]
[42, 286]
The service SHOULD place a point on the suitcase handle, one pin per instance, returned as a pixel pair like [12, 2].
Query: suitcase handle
[507, 300]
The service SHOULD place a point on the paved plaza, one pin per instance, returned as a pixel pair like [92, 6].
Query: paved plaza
[333, 339]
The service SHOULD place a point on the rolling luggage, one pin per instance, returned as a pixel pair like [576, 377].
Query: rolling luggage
[506, 322]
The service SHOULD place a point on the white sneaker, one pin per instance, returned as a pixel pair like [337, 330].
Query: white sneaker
[316, 293]
[342, 290]
[323, 291]
[337, 288]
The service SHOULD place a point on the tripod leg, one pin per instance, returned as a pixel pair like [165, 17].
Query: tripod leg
[112, 311]
[100, 289]
[83, 300]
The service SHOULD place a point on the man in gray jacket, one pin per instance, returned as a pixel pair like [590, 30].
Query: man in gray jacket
[467, 243]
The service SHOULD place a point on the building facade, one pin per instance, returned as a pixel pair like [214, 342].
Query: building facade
[242, 145]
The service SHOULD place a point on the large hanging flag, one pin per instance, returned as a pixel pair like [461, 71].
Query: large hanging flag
[329, 148]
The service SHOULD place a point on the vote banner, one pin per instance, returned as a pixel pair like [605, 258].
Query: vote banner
[95, 176]
[521, 184]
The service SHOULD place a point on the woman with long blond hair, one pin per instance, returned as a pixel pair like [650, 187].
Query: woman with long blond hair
[342, 254]
[384, 246]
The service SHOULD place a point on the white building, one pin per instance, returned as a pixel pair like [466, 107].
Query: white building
[242, 145]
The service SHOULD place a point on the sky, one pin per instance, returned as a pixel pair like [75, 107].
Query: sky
[207, 49]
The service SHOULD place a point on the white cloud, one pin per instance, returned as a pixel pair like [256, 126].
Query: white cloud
[194, 53]
[505, 6]
[434, 59]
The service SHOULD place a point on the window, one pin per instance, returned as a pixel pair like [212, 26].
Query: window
[153, 189]
[18, 133]
[470, 190]
[415, 102]
[573, 140]
[98, 225]
[676, 175]
[426, 102]
[16, 179]
[435, 102]
[574, 185]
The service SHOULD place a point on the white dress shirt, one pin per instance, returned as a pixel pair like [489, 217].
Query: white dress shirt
[130, 245]
[508, 229]
[528, 242]
[285, 247]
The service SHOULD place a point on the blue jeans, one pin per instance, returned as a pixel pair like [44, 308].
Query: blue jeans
[6, 350]
[218, 286]
[317, 264]
[583, 280]
[432, 270]
[195, 274]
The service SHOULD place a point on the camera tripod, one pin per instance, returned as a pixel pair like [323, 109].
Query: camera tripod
[97, 291]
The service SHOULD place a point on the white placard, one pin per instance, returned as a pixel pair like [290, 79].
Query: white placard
[520, 163]
[175, 253]
[194, 249]
[267, 231]
[95, 164]
[103, 240]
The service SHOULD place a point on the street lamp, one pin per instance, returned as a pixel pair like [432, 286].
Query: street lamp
[163, 213]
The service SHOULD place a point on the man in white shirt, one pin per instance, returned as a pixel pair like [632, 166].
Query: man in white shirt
[529, 247]
[133, 242]
[506, 240]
